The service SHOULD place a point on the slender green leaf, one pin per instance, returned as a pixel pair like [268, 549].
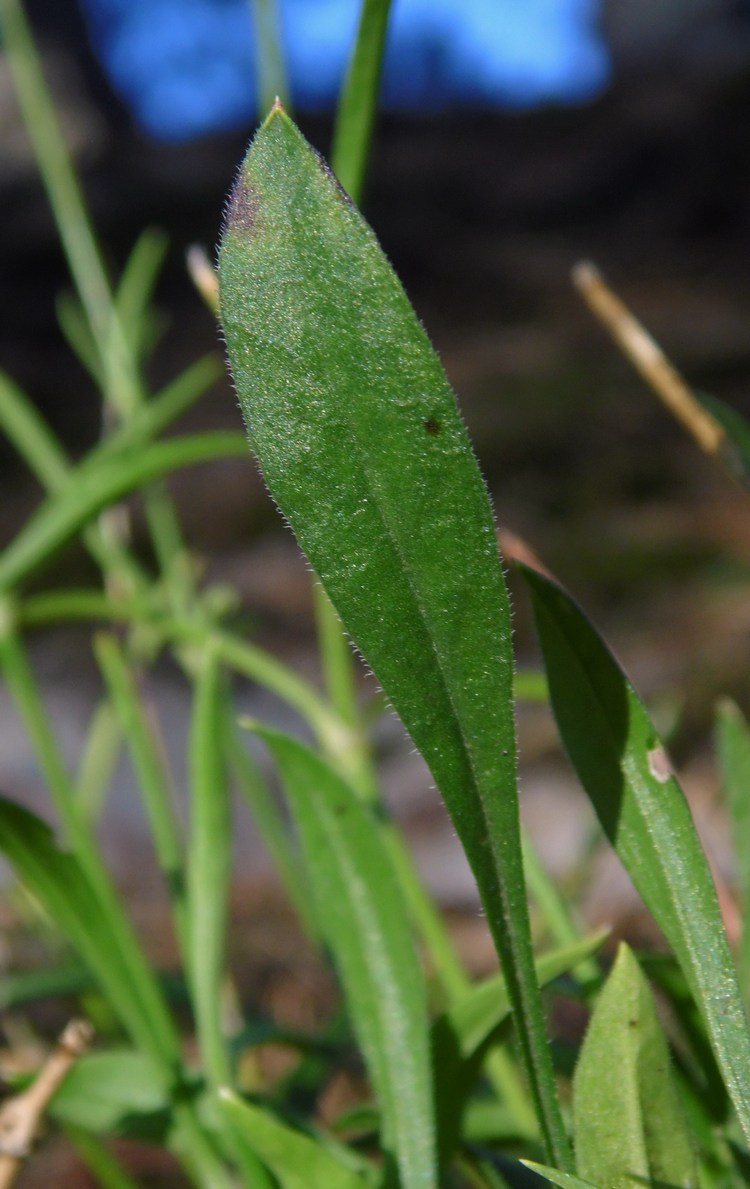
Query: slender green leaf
[135, 290]
[363, 449]
[564, 1180]
[733, 749]
[107, 1170]
[631, 1125]
[361, 913]
[56, 879]
[208, 868]
[150, 765]
[269, 53]
[734, 451]
[101, 751]
[296, 1160]
[104, 1092]
[462, 1035]
[624, 769]
[359, 98]
[24, 426]
[88, 491]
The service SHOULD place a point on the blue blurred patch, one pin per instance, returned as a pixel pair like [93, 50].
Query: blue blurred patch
[185, 67]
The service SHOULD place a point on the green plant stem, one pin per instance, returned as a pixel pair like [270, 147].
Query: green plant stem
[554, 909]
[150, 1018]
[208, 867]
[269, 55]
[68, 207]
[355, 118]
[58, 519]
[153, 778]
[269, 822]
[97, 764]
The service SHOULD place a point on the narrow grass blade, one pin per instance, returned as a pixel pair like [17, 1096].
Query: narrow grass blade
[733, 750]
[461, 1036]
[100, 1162]
[150, 767]
[564, 1180]
[359, 98]
[296, 1160]
[734, 449]
[139, 322]
[363, 919]
[87, 492]
[632, 1125]
[363, 449]
[96, 766]
[56, 879]
[24, 426]
[270, 824]
[269, 56]
[624, 769]
[209, 868]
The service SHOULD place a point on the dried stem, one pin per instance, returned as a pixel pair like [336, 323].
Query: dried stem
[21, 1116]
[648, 358]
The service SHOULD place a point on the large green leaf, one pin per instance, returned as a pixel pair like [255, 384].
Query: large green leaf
[363, 920]
[364, 451]
[622, 765]
[115, 1093]
[630, 1125]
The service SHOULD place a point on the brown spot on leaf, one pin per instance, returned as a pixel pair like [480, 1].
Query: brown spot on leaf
[242, 207]
[432, 425]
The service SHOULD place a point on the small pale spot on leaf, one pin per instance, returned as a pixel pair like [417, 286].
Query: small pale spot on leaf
[659, 765]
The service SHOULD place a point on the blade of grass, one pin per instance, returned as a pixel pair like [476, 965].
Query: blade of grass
[209, 863]
[355, 117]
[461, 1037]
[296, 1160]
[139, 982]
[270, 68]
[97, 763]
[625, 772]
[270, 823]
[360, 910]
[107, 1170]
[150, 767]
[88, 491]
[65, 198]
[733, 750]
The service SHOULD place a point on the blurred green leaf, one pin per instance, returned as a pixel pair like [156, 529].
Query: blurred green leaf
[363, 919]
[112, 1093]
[564, 1180]
[298, 1161]
[735, 449]
[628, 1123]
[90, 489]
[625, 771]
[56, 879]
[733, 751]
[364, 450]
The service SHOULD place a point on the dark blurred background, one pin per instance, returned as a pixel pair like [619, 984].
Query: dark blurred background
[516, 138]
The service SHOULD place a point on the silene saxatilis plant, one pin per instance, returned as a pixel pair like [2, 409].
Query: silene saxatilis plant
[362, 446]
